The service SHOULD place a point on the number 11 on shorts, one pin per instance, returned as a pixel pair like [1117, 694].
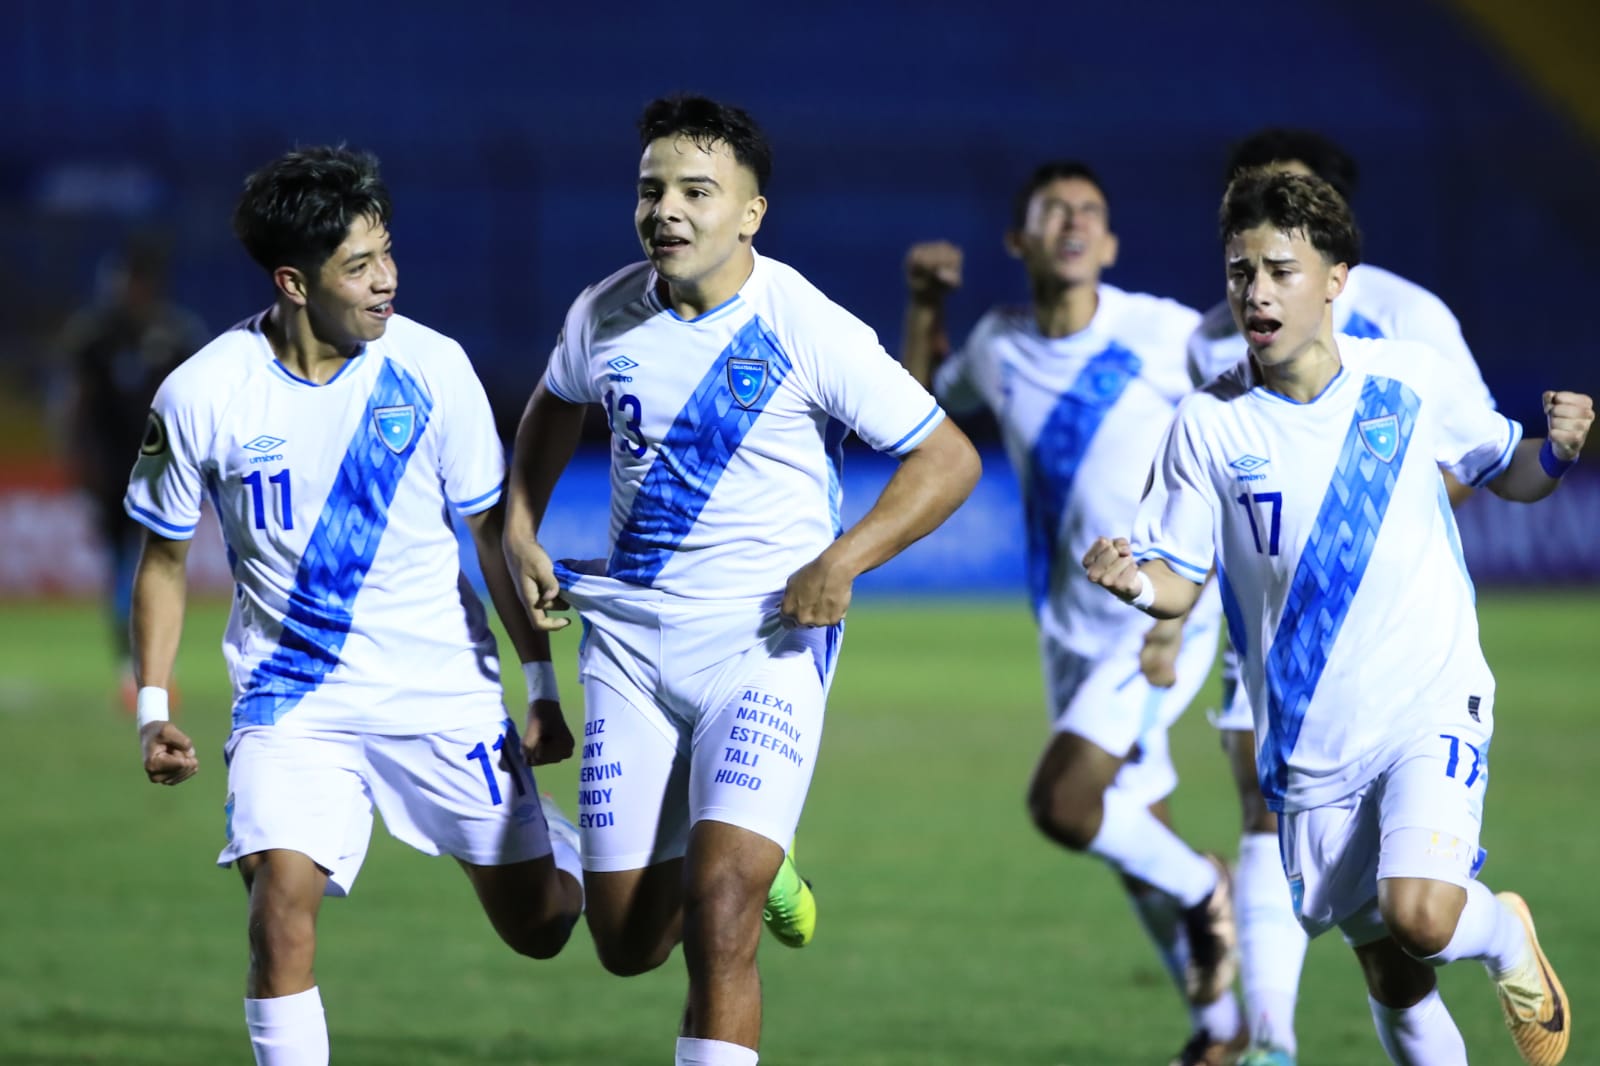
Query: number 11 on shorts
[1456, 744]
[481, 753]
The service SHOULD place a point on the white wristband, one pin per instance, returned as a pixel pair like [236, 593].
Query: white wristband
[1146, 594]
[541, 679]
[151, 706]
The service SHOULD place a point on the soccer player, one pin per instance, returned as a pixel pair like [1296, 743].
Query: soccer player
[713, 627]
[1373, 303]
[1308, 476]
[1082, 382]
[334, 438]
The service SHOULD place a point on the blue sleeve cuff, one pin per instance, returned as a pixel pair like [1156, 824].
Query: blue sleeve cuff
[550, 384]
[156, 524]
[478, 503]
[919, 434]
[1194, 573]
[1499, 465]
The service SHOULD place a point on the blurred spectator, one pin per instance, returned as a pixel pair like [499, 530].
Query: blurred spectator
[114, 355]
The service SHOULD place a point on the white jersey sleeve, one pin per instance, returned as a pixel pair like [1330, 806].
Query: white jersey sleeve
[567, 374]
[168, 479]
[1475, 442]
[1176, 521]
[857, 382]
[471, 458]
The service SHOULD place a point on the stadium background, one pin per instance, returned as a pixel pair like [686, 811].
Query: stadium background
[506, 134]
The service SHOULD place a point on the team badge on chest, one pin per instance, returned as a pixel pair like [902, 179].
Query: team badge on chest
[395, 425]
[1381, 435]
[747, 380]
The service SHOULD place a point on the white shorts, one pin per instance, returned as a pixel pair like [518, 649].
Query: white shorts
[313, 791]
[1107, 701]
[694, 710]
[1421, 817]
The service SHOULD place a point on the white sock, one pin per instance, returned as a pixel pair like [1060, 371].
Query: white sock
[693, 1051]
[1272, 945]
[1158, 913]
[1420, 1035]
[1487, 931]
[288, 1030]
[1135, 842]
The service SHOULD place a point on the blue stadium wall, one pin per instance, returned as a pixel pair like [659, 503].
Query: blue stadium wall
[506, 133]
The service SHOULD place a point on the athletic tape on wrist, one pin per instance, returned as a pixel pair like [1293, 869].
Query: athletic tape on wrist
[541, 679]
[1553, 466]
[1146, 594]
[151, 706]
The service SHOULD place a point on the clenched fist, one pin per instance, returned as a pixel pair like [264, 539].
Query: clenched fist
[933, 268]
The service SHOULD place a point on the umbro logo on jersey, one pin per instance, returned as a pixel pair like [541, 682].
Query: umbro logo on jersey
[1381, 436]
[395, 425]
[263, 443]
[621, 364]
[1246, 466]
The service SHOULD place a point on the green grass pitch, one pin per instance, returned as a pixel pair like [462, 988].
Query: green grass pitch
[950, 932]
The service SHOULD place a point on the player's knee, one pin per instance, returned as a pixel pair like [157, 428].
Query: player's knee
[722, 918]
[1061, 817]
[282, 940]
[541, 938]
[624, 956]
[1422, 923]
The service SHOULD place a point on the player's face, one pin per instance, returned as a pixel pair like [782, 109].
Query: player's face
[351, 298]
[1280, 289]
[698, 210]
[1066, 236]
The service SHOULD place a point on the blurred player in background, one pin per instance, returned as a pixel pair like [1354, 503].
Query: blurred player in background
[115, 353]
[1307, 475]
[334, 438]
[713, 628]
[1082, 382]
[1373, 303]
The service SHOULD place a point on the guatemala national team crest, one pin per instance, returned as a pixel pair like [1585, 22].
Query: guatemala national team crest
[747, 378]
[1382, 436]
[395, 425]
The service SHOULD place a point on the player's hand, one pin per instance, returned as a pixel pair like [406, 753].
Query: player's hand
[169, 757]
[536, 581]
[933, 268]
[546, 738]
[1109, 564]
[1570, 415]
[818, 594]
[1158, 659]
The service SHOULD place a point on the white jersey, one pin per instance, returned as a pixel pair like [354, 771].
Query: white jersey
[1081, 417]
[728, 427]
[1374, 304]
[1336, 549]
[350, 611]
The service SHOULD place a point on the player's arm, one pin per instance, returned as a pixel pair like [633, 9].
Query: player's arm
[933, 268]
[159, 592]
[932, 481]
[546, 738]
[1152, 586]
[1537, 465]
[547, 436]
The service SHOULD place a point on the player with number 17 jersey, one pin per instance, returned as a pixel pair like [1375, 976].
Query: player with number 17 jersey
[1351, 607]
[335, 502]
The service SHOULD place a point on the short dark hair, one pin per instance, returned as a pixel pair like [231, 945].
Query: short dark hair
[1044, 174]
[1292, 203]
[1279, 144]
[297, 210]
[706, 123]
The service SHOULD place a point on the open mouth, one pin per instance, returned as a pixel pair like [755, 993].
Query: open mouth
[383, 310]
[666, 245]
[1260, 331]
